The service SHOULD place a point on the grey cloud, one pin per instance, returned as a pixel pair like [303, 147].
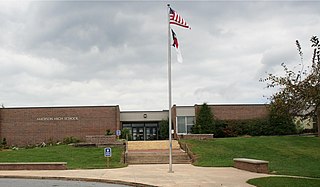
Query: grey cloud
[80, 53]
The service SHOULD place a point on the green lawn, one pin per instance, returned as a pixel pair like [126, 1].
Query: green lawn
[76, 157]
[284, 182]
[287, 155]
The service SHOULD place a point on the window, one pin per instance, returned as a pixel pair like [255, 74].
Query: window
[184, 124]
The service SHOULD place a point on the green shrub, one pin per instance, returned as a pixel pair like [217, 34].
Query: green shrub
[280, 121]
[71, 139]
[219, 128]
[3, 143]
[257, 127]
[164, 130]
[207, 124]
[108, 132]
[126, 134]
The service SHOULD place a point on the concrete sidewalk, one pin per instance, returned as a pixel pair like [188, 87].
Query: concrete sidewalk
[154, 175]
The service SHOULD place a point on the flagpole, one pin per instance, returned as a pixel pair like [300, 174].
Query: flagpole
[170, 95]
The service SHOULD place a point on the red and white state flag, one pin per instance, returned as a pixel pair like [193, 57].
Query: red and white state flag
[176, 46]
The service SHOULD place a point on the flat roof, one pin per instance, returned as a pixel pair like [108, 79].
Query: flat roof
[40, 107]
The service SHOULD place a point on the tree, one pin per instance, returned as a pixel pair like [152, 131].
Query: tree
[206, 124]
[280, 121]
[204, 121]
[299, 91]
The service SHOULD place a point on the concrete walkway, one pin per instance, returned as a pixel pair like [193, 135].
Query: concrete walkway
[154, 175]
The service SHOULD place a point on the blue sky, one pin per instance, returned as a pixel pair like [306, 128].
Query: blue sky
[115, 53]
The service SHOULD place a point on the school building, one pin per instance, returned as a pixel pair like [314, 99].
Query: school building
[33, 125]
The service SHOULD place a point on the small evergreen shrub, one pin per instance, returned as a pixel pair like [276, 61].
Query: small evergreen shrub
[108, 132]
[71, 139]
[125, 134]
[164, 130]
[255, 127]
[3, 143]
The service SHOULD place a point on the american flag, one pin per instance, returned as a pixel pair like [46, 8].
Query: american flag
[176, 19]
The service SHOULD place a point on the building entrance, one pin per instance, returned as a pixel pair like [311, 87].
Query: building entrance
[138, 133]
[142, 131]
[151, 133]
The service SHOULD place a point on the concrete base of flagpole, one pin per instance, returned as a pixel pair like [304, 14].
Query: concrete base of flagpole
[170, 170]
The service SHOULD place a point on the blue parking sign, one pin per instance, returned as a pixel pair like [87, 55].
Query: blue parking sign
[107, 152]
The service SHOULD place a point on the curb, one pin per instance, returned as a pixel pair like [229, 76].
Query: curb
[81, 179]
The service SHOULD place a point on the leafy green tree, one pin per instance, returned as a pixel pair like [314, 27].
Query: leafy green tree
[299, 91]
[280, 120]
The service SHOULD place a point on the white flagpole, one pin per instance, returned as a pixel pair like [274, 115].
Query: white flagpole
[170, 95]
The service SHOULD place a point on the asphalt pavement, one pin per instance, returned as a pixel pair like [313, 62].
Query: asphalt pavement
[15, 182]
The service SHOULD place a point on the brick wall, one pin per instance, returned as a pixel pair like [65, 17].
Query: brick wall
[101, 139]
[238, 112]
[23, 126]
[196, 136]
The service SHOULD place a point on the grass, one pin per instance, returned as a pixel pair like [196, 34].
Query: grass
[287, 155]
[284, 182]
[76, 157]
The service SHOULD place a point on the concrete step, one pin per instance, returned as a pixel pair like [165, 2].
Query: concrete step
[154, 145]
[155, 152]
[157, 157]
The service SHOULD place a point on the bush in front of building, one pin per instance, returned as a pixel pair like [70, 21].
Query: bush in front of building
[277, 123]
[108, 132]
[281, 121]
[3, 143]
[126, 134]
[164, 130]
[207, 124]
[70, 139]
[235, 128]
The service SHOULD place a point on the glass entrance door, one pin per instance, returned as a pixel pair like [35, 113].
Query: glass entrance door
[142, 131]
[151, 133]
[137, 133]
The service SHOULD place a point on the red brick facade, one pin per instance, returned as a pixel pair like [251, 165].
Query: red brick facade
[238, 112]
[23, 126]
[30, 126]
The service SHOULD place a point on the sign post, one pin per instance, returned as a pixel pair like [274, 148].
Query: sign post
[118, 133]
[108, 154]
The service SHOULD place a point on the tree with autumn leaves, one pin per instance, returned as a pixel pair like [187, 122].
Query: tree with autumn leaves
[299, 92]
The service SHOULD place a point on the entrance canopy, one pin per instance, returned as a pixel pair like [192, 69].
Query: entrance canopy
[143, 125]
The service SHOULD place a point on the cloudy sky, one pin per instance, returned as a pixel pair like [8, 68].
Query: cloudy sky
[115, 53]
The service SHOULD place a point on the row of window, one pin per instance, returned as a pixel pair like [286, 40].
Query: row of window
[184, 124]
